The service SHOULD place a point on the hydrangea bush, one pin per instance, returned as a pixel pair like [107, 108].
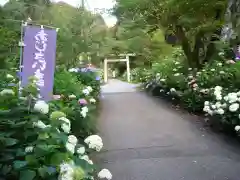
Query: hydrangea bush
[80, 103]
[213, 89]
[37, 140]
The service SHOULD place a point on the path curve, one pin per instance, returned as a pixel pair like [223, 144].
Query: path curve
[145, 139]
[117, 86]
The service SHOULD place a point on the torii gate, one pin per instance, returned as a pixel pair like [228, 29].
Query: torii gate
[118, 60]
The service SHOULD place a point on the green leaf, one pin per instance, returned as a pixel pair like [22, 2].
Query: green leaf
[10, 141]
[27, 175]
[6, 169]
[19, 164]
[58, 158]
[7, 157]
[31, 159]
[42, 171]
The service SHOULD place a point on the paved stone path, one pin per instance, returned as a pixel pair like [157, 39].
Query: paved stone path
[145, 139]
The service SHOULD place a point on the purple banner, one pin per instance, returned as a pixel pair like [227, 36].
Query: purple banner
[39, 59]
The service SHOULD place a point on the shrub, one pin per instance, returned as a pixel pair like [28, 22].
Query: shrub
[191, 87]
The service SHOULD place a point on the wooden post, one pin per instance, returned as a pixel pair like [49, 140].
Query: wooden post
[128, 69]
[105, 70]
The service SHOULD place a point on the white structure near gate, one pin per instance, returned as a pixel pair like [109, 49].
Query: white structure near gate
[125, 59]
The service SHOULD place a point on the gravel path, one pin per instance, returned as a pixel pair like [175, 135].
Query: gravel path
[144, 139]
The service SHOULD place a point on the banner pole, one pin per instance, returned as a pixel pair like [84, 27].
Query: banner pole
[21, 44]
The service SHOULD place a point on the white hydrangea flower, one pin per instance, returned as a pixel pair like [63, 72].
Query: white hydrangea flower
[66, 171]
[42, 107]
[213, 106]
[237, 128]
[212, 70]
[72, 139]
[92, 100]
[172, 90]
[219, 64]
[220, 111]
[65, 120]
[86, 158]
[86, 92]
[83, 113]
[39, 124]
[72, 96]
[9, 76]
[206, 108]
[70, 147]
[85, 108]
[218, 97]
[7, 91]
[105, 174]
[222, 72]
[224, 105]
[221, 53]
[190, 77]
[177, 63]
[66, 128]
[94, 142]
[218, 88]
[29, 149]
[232, 97]
[225, 98]
[177, 74]
[81, 150]
[73, 70]
[206, 103]
[163, 80]
[189, 69]
[174, 69]
[89, 88]
[234, 107]
[218, 105]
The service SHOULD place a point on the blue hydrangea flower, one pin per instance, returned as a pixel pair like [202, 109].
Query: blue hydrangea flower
[98, 78]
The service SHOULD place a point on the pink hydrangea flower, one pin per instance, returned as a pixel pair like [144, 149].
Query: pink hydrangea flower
[82, 101]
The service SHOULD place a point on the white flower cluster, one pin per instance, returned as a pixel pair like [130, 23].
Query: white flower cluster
[71, 143]
[9, 76]
[42, 107]
[92, 100]
[40, 124]
[172, 90]
[230, 102]
[73, 70]
[84, 111]
[105, 174]
[29, 149]
[94, 142]
[86, 158]
[72, 96]
[87, 90]
[66, 124]
[237, 128]
[66, 171]
[7, 91]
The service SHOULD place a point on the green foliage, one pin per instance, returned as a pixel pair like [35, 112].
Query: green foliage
[196, 31]
[213, 90]
[34, 140]
[66, 83]
[69, 84]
